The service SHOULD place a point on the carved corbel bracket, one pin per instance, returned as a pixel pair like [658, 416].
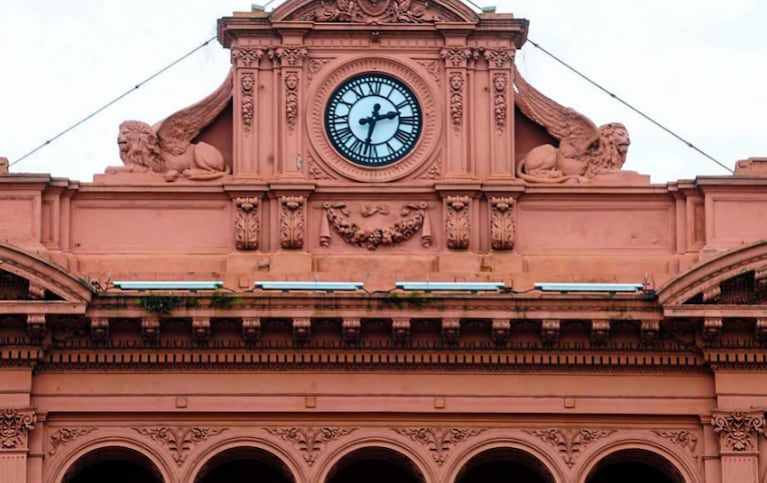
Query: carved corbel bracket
[550, 331]
[36, 291]
[500, 331]
[712, 328]
[400, 328]
[15, 426]
[99, 329]
[500, 58]
[150, 329]
[251, 329]
[458, 221]
[600, 331]
[302, 329]
[200, 329]
[292, 221]
[243, 57]
[246, 223]
[36, 326]
[649, 331]
[738, 431]
[451, 330]
[502, 226]
[351, 329]
[289, 56]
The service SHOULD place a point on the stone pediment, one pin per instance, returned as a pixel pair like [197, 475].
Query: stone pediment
[374, 11]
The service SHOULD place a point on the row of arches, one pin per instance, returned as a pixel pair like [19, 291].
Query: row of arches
[369, 465]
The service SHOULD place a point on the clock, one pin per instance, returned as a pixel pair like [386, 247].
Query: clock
[373, 119]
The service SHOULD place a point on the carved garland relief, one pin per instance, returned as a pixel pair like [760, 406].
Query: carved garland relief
[246, 223]
[457, 222]
[63, 436]
[569, 443]
[412, 218]
[292, 222]
[439, 441]
[374, 11]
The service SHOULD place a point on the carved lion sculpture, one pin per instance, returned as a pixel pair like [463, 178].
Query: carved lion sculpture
[166, 148]
[584, 151]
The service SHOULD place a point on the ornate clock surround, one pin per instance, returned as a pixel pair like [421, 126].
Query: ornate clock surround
[320, 142]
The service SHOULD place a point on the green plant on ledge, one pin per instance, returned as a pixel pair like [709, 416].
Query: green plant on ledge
[159, 304]
[220, 300]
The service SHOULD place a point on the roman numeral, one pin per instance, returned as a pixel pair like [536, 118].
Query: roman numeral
[402, 136]
[408, 120]
[375, 87]
[402, 104]
[358, 90]
[356, 146]
[343, 135]
[341, 119]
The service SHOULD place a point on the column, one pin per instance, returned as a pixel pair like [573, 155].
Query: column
[15, 425]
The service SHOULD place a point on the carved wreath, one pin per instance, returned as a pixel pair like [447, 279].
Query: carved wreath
[412, 217]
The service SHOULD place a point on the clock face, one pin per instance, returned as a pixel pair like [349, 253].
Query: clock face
[373, 120]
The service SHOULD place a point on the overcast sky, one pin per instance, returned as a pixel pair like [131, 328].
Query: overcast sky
[697, 66]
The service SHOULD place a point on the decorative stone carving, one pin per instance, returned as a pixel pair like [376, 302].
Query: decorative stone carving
[585, 152]
[302, 329]
[712, 328]
[649, 331]
[246, 223]
[15, 426]
[292, 222]
[458, 56]
[246, 99]
[499, 58]
[500, 331]
[313, 66]
[62, 436]
[200, 329]
[682, 437]
[99, 329]
[251, 329]
[502, 227]
[310, 441]
[150, 329]
[738, 431]
[314, 170]
[456, 100]
[166, 148]
[36, 291]
[400, 329]
[457, 222]
[550, 331]
[36, 326]
[570, 442]
[712, 294]
[600, 331]
[439, 441]
[413, 217]
[760, 332]
[500, 80]
[243, 57]
[432, 67]
[351, 329]
[4, 165]
[180, 440]
[751, 167]
[375, 11]
[451, 330]
[291, 100]
[433, 173]
[289, 56]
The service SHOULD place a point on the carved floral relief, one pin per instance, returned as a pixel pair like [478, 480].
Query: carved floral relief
[15, 426]
[499, 58]
[412, 218]
[502, 223]
[289, 56]
[375, 11]
[458, 56]
[432, 67]
[570, 442]
[682, 437]
[243, 57]
[246, 223]
[457, 222]
[310, 441]
[292, 222]
[180, 440]
[313, 66]
[63, 436]
[439, 441]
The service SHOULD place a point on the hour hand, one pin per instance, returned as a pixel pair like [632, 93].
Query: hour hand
[390, 115]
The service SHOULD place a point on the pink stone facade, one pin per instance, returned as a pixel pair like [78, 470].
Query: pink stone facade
[503, 185]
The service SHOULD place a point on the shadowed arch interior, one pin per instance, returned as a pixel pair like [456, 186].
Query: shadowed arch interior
[504, 465]
[634, 466]
[244, 464]
[375, 465]
[115, 465]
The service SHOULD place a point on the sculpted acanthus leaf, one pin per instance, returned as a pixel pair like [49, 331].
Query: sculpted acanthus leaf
[375, 11]
[412, 219]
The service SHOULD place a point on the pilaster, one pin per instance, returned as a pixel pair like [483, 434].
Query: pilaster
[738, 444]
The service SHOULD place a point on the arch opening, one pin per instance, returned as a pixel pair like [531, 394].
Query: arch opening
[504, 465]
[244, 464]
[634, 466]
[375, 465]
[115, 465]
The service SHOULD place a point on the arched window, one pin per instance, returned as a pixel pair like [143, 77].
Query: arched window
[504, 465]
[244, 465]
[374, 465]
[115, 465]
